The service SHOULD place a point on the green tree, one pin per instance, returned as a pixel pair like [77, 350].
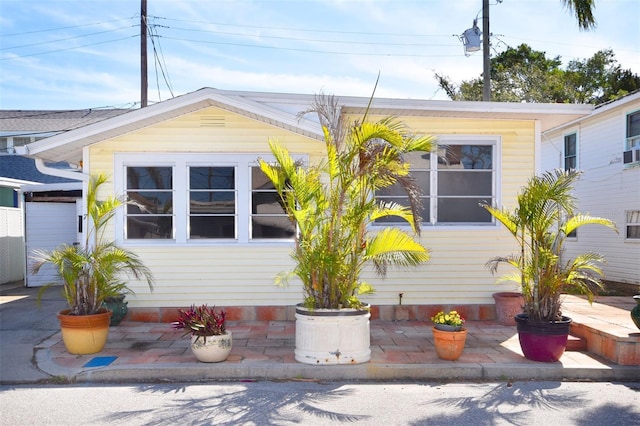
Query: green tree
[525, 75]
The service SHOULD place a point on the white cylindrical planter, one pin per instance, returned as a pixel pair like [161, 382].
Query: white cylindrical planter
[328, 337]
[212, 348]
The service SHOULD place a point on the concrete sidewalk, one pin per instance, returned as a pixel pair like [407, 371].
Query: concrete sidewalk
[401, 350]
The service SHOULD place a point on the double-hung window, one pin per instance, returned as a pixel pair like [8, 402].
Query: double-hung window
[188, 198]
[571, 151]
[149, 213]
[212, 202]
[454, 182]
[632, 142]
[632, 225]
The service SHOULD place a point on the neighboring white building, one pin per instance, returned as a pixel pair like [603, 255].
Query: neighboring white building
[37, 200]
[605, 146]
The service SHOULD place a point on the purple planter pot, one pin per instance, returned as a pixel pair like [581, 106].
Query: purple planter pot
[543, 342]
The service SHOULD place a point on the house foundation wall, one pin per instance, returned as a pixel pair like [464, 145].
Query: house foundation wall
[475, 312]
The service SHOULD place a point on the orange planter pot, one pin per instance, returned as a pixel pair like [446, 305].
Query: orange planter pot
[84, 334]
[449, 344]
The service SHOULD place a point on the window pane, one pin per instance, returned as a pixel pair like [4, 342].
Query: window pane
[633, 232]
[465, 183]
[212, 227]
[212, 202]
[570, 163]
[149, 178]
[149, 227]
[633, 224]
[268, 218]
[633, 124]
[419, 160]
[156, 202]
[462, 210]
[467, 157]
[421, 178]
[271, 227]
[404, 201]
[212, 177]
[570, 145]
[150, 212]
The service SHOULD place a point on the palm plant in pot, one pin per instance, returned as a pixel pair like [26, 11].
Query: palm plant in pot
[543, 218]
[333, 205]
[91, 273]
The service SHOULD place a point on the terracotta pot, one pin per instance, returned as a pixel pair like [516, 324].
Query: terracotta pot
[449, 344]
[543, 342]
[212, 348]
[84, 334]
[332, 336]
[508, 305]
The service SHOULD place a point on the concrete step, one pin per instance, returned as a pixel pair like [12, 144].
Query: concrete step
[606, 326]
[577, 344]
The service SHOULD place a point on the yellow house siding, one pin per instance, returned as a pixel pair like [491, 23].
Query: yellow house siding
[242, 274]
[456, 273]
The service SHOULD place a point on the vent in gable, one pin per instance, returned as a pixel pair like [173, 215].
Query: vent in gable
[212, 121]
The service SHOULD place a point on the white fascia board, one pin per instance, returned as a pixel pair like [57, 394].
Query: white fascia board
[469, 106]
[13, 183]
[43, 187]
[619, 103]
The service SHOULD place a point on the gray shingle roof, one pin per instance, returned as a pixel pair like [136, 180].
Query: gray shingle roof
[33, 121]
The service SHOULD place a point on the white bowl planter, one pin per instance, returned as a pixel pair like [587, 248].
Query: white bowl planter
[327, 336]
[212, 348]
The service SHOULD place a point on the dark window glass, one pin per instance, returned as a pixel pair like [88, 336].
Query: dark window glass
[462, 210]
[570, 152]
[212, 202]
[465, 178]
[149, 214]
[268, 218]
[633, 124]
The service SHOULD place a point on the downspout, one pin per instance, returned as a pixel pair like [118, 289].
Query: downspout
[64, 173]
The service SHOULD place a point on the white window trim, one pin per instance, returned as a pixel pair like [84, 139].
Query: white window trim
[627, 140]
[180, 162]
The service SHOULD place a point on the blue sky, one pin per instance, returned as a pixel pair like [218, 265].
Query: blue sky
[76, 54]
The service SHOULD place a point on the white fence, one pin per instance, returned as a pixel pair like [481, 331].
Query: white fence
[11, 245]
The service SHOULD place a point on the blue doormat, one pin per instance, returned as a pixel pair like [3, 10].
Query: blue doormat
[100, 361]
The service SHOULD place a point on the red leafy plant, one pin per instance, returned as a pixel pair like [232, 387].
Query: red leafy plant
[201, 321]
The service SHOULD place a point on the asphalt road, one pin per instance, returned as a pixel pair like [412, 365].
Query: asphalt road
[309, 403]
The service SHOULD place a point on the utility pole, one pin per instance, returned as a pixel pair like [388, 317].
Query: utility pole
[486, 54]
[143, 53]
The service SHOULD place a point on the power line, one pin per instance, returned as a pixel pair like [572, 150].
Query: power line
[64, 39]
[68, 48]
[329, 52]
[315, 30]
[65, 28]
[315, 40]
